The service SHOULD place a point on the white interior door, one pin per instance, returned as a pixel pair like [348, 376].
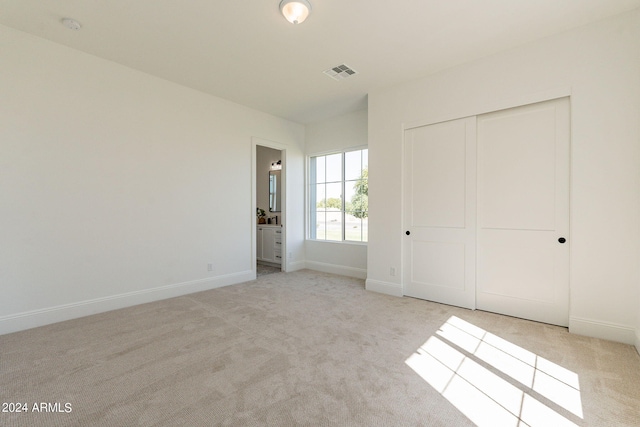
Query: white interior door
[439, 212]
[523, 212]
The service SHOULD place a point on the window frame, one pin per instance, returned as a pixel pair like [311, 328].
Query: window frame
[309, 212]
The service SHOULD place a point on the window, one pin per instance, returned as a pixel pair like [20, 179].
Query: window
[338, 196]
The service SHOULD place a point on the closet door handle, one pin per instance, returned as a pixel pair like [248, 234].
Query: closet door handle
[407, 232]
[562, 240]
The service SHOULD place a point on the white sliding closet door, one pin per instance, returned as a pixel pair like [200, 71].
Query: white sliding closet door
[523, 212]
[486, 212]
[439, 212]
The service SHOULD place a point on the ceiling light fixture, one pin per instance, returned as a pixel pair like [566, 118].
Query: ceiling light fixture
[71, 24]
[295, 11]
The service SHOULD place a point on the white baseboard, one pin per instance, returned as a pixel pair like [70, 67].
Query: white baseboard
[31, 319]
[342, 270]
[604, 330]
[295, 266]
[393, 289]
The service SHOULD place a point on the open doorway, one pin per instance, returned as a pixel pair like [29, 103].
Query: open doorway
[270, 199]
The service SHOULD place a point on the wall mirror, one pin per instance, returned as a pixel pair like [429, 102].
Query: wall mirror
[274, 191]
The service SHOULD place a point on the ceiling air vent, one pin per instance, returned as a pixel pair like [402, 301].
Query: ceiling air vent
[340, 72]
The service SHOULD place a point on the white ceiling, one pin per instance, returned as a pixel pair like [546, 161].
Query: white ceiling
[246, 52]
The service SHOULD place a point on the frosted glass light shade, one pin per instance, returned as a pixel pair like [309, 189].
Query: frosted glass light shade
[295, 11]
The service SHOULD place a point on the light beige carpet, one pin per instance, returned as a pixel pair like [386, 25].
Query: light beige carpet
[313, 349]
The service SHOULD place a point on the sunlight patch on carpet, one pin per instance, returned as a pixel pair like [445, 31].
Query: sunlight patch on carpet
[481, 393]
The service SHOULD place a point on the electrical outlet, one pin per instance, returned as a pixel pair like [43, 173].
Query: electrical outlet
[210, 266]
[392, 271]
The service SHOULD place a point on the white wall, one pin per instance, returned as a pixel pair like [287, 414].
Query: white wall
[117, 187]
[599, 65]
[337, 134]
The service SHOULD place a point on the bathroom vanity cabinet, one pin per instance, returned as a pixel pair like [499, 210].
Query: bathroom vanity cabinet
[269, 243]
